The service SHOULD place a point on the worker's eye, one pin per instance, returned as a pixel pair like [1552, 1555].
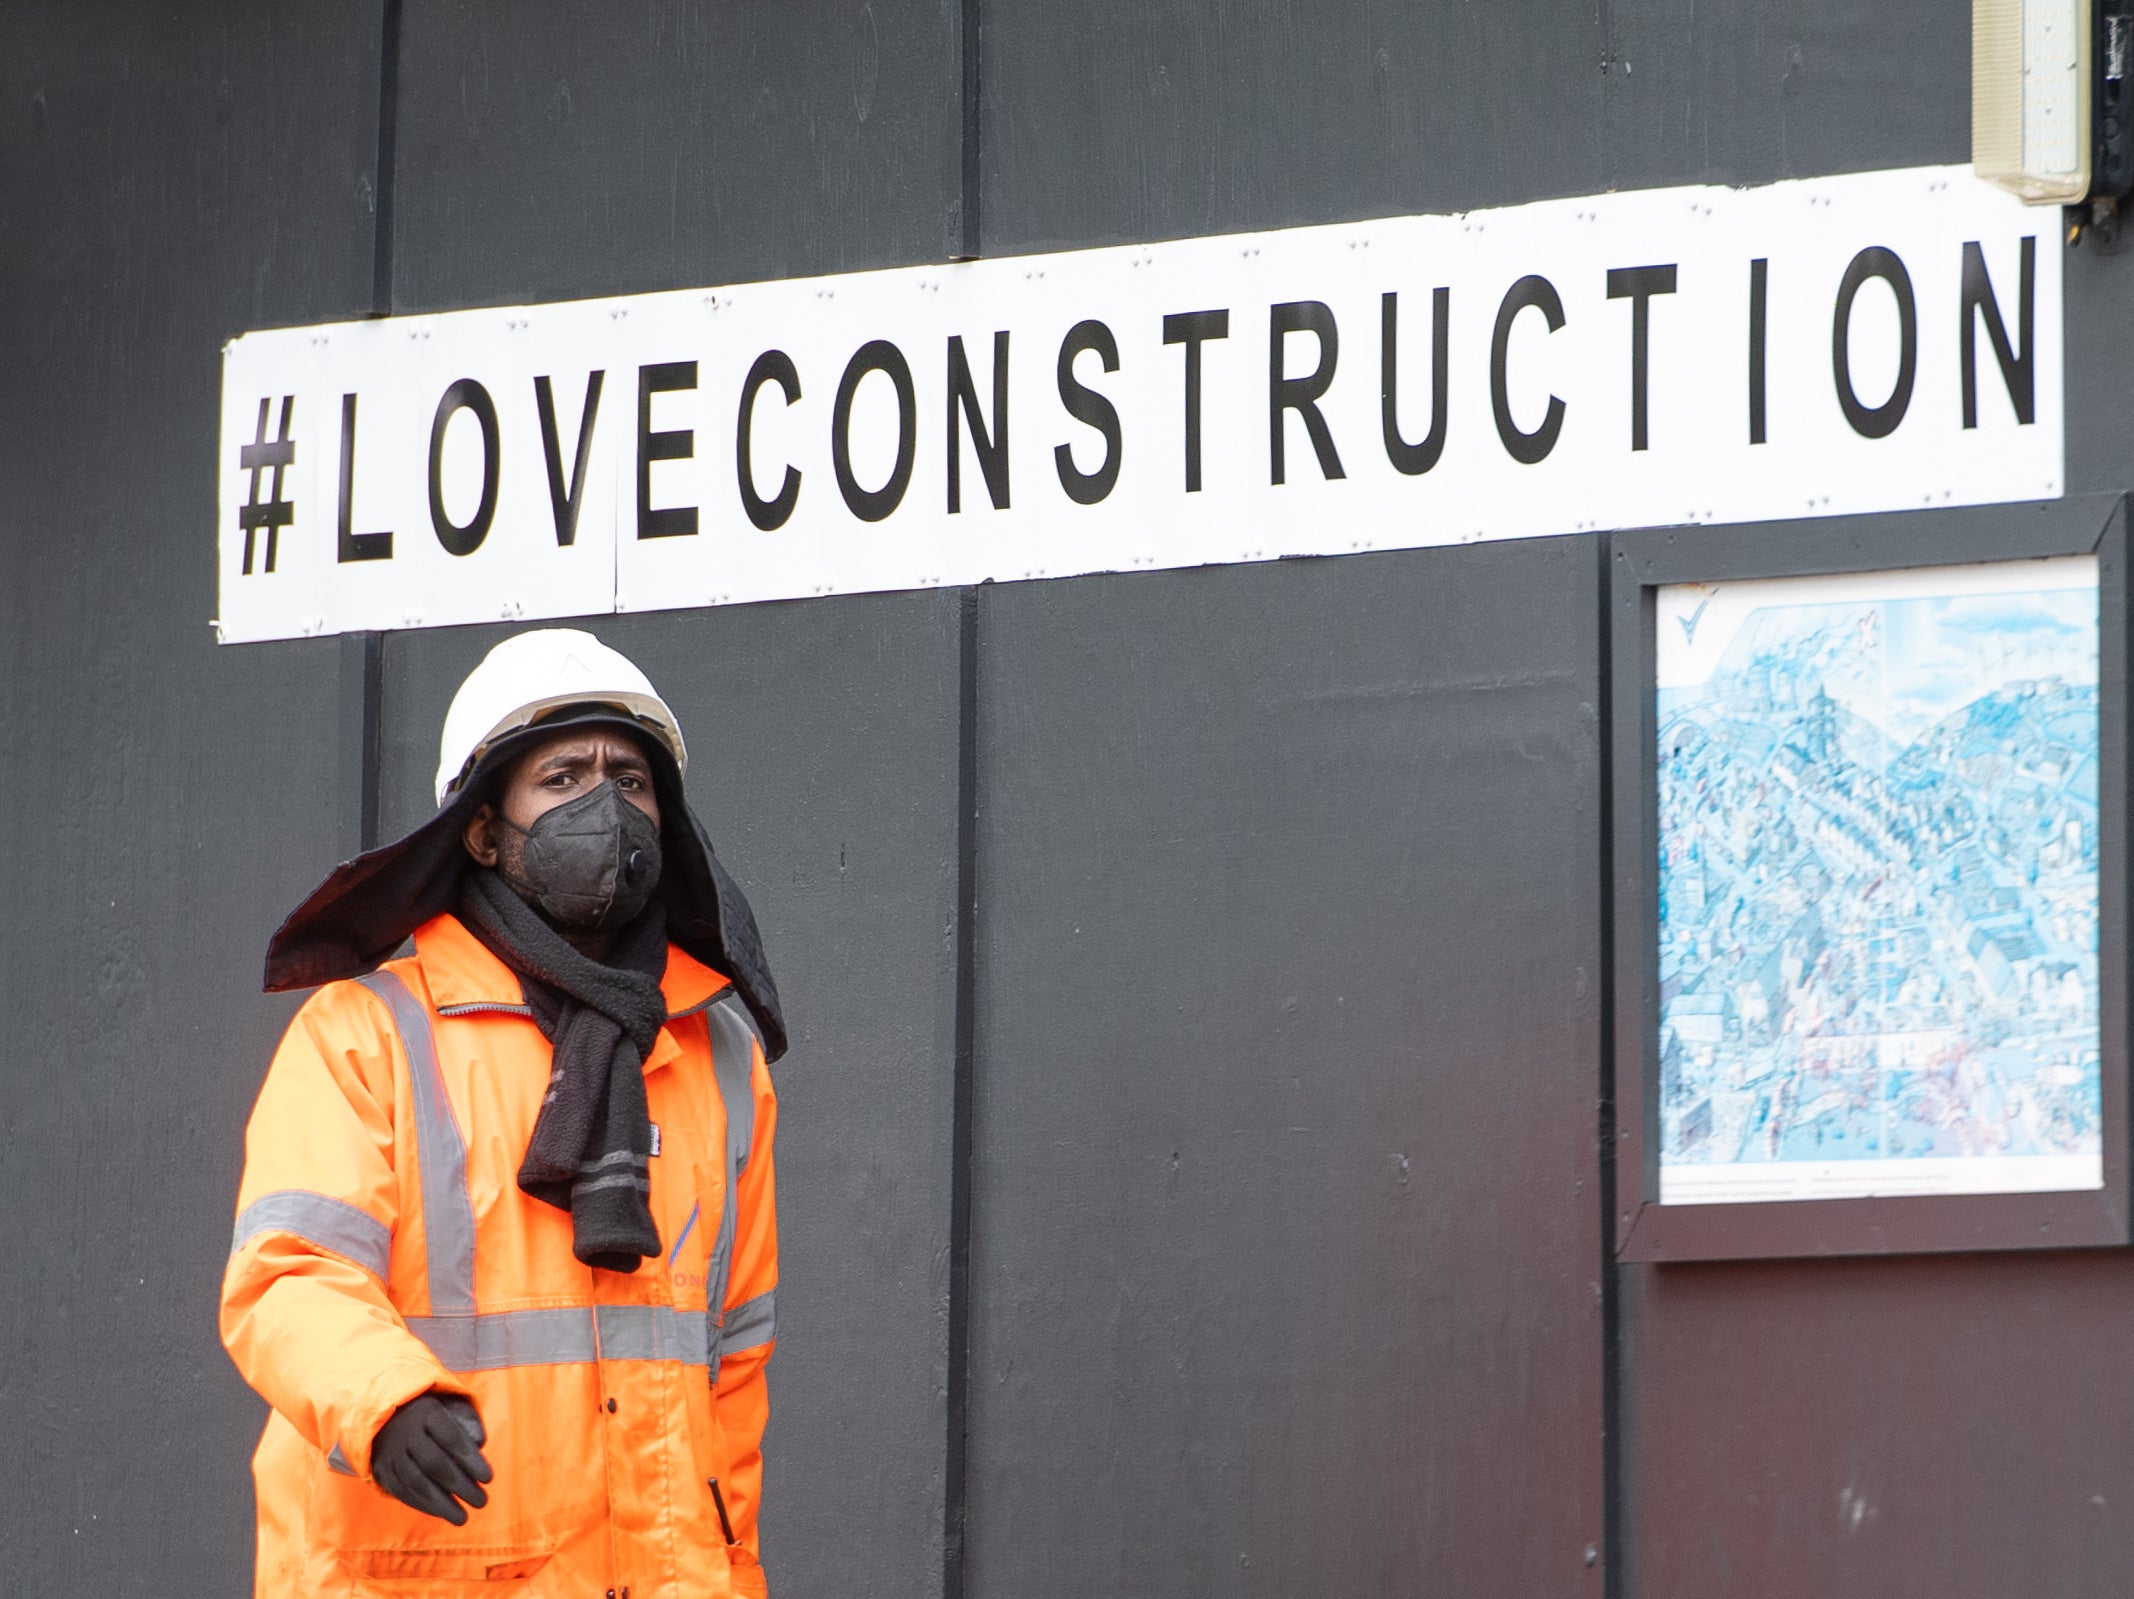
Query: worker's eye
[630, 781]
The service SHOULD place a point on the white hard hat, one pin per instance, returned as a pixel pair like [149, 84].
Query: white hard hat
[531, 674]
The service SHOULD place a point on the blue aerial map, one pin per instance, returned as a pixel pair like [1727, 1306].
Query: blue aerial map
[1878, 881]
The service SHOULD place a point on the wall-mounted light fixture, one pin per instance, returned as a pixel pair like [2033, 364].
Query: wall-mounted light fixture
[2052, 103]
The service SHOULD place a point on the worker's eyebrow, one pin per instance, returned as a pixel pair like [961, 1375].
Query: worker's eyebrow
[623, 755]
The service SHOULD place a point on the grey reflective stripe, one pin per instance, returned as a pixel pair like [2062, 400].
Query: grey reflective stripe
[733, 1062]
[654, 1332]
[319, 1219]
[447, 1212]
[625, 1179]
[554, 1337]
[749, 1325]
[336, 1461]
[562, 1337]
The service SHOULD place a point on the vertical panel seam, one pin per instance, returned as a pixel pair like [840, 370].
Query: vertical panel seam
[969, 198]
[381, 277]
[369, 709]
[372, 712]
[955, 1497]
[1611, 1440]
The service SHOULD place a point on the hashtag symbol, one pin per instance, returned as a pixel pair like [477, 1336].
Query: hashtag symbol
[273, 513]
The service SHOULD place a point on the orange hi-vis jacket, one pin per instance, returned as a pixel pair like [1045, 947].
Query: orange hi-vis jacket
[384, 1250]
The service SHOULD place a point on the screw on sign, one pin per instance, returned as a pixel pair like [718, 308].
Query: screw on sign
[273, 513]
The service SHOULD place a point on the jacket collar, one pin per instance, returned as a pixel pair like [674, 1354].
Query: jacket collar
[461, 970]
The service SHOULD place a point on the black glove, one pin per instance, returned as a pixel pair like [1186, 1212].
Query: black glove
[428, 1455]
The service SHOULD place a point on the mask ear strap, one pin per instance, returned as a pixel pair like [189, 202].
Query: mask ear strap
[518, 885]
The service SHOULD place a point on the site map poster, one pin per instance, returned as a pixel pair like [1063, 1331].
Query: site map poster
[1878, 884]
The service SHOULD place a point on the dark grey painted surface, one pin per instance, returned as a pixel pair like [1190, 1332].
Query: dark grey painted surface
[1117, 120]
[1948, 1427]
[1954, 1427]
[1285, 1231]
[170, 178]
[2099, 292]
[1749, 91]
[1931, 1426]
[551, 149]
[1273, 1349]
[823, 760]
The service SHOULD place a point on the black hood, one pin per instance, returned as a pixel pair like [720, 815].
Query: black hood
[369, 906]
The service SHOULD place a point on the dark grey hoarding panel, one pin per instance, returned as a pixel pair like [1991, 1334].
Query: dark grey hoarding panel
[1115, 122]
[172, 176]
[2097, 291]
[822, 744]
[1285, 1220]
[1746, 91]
[1118, 121]
[1897, 1426]
[1954, 1426]
[178, 177]
[551, 149]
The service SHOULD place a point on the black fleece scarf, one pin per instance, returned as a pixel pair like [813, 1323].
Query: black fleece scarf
[594, 1135]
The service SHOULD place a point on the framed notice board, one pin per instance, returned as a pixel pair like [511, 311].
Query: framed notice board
[1870, 872]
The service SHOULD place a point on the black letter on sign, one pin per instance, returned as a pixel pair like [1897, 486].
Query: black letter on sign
[992, 446]
[1414, 459]
[2019, 372]
[772, 366]
[1086, 405]
[456, 539]
[877, 355]
[1759, 274]
[565, 501]
[677, 444]
[1190, 328]
[354, 546]
[273, 512]
[1525, 448]
[1301, 394]
[1638, 285]
[1875, 422]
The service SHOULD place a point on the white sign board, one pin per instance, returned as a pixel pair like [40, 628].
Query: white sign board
[1862, 343]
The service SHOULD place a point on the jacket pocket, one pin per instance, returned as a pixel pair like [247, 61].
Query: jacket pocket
[549, 1486]
[391, 1549]
[420, 1572]
[380, 1540]
[747, 1574]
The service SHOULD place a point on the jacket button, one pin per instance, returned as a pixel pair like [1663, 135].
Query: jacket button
[611, 1407]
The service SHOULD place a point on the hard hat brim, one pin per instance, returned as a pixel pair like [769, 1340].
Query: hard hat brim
[646, 714]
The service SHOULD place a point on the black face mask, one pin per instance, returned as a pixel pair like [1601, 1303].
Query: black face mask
[587, 865]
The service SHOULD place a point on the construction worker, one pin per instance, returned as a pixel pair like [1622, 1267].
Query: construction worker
[506, 1245]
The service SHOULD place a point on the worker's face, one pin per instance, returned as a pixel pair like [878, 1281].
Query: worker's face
[553, 772]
